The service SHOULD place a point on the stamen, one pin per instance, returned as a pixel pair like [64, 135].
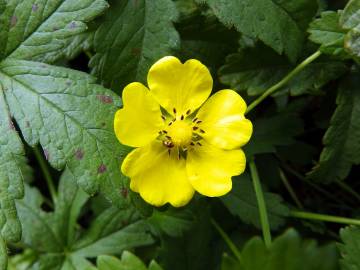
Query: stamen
[168, 137]
[195, 119]
[188, 112]
[202, 131]
[163, 117]
[192, 144]
[160, 132]
[199, 144]
[198, 122]
[164, 131]
[195, 128]
[169, 151]
[174, 110]
[182, 117]
[170, 123]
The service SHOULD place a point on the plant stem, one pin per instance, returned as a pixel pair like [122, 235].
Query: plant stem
[46, 173]
[348, 189]
[327, 218]
[227, 240]
[290, 190]
[284, 81]
[261, 203]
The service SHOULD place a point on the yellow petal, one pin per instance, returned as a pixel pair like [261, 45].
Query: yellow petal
[139, 121]
[160, 178]
[210, 168]
[178, 86]
[223, 120]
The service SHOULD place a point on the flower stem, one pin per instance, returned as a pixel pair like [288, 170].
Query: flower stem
[261, 203]
[227, 240]
[290, 189]
[327, 218]
[284, 81]
[46, 173]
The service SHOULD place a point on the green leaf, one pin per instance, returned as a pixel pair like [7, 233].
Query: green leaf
[128, 262]
[327, 32]
[3, 254]
[241, 202]
[43, 30]
[256, 69]
[341, 140]
[279, 24]
[287, 251]
[350, 249]
[12, 163]
[55, 233]
[22, 261]
[133, 35]
[279, 129]
[55, 106]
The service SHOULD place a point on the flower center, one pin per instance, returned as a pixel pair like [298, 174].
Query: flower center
[180, 133]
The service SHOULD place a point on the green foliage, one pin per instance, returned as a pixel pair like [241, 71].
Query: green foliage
[350, 249]
[255, 69]
[241, 202]
[271, 21]
[288, 251]
[55, 236]
[341, 140]
[139, 44]
[128, 262]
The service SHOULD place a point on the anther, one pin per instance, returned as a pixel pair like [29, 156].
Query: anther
[202, 131]
[192, 144]
[188, 112]
[170, 123]
[164, 131]
[195, 119]
[198, 122]
[168, 137]
[160, 132]
[182, 117]
[199, 144]
[174, 110]
[163, 117]
[195, 128]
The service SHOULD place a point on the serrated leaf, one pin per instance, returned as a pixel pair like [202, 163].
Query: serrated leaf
[256, 69]
[241, 202]
[132, 37]
[279, 24]
[327, 32]
[55, 233]
[350, 249]
[342, 139]
[287, 251]
[12, 161]
[128, 262]
[43, 30]
[55, 106]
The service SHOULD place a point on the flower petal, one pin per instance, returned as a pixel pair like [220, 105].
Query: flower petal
[181, 86]
[210, 168]
[139, 121]
[160, 178]
[223, 120]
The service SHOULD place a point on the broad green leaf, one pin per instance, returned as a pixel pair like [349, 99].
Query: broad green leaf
[43, 30]
[241, 202]
[12, 161]
[257, 69]
[52, 234]
[327, 32]
[341, 140]
[279, 24]
[173, 222]
[128, 262]
[287, 251]
[133, 35]
[350, 249]
[276, 129]
[55, 107]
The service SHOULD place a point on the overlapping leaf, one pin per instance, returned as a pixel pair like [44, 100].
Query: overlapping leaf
[132, 37]
[128, 262]
[241, 202]
[257, 69]
[279, 24]
[342, 139]
[55, 238]
[350, 249]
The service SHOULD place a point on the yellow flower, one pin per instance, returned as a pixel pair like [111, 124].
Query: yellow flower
[181, 148]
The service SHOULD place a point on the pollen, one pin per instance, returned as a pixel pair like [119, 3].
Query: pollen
[180, 133]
